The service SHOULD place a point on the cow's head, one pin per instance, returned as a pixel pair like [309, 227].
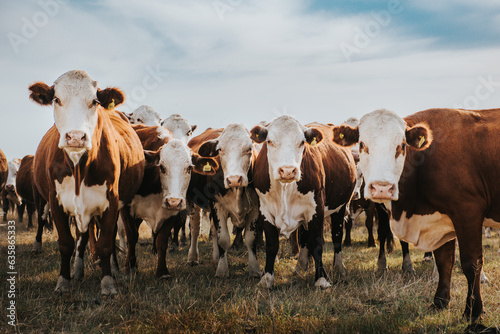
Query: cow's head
[75, 98]
[176, 162]
[384, 139]
[234, 148]
[179, 126]
[145, 115]
[285, 138]
[10, 186]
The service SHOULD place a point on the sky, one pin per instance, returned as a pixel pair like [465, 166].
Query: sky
[223, 61]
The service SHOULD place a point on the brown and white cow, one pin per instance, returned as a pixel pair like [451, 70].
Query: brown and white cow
[437, 171]
[302, 178]
[144, 115]
[25, 187]
[235, 198]
[10, 197]
[89, 164]
[162, 194]
[4, 171]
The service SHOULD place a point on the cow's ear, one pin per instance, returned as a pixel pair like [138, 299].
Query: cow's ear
[419, 137]
[313, 136]
[152, 158]
[110, 97]
[193, 127]
[204, 166]
[209, 148]
[345, 135]
[258, 134]
[41, 93]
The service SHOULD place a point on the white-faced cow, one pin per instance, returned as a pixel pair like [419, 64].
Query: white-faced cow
[236, 197]
[162, 194]
[302, 178]
[144, 115]
[89, 164]
[437, 171]
[10, 197]
[4, 171]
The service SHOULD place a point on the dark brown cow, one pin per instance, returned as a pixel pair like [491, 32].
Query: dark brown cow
[438, 172]
[302, 178]
[25, 187]
[87, 165]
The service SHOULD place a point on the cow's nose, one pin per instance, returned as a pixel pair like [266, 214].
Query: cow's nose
[382, 190]
[10, 188]
[234, 181]
[76, 139]
[174, 203]
[287, 172]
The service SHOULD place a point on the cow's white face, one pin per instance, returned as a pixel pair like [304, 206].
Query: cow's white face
[175, 168]
[13, 169]
[179, 127]
[383, 139]
[382, 151]
[285, 138]
[75, 112]
[145, 115]
[235, 151]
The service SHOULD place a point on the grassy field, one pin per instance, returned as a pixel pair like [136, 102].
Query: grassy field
[193, 300]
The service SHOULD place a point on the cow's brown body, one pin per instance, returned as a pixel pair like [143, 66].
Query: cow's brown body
[25, 186]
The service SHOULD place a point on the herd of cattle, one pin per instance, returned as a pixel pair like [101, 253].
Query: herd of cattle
[434, 174]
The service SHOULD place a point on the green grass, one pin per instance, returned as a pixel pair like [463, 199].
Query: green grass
[194, 301]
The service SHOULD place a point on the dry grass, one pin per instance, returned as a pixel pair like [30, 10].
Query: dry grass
[195, 301]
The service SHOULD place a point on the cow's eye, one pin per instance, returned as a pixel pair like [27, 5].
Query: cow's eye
[302, 143]
[189, 169]
[95, 102]
[270, 143]
[163, 169]
[139, 120]
[361, 145]
[189, 133]
[403, 146]
[56, 100]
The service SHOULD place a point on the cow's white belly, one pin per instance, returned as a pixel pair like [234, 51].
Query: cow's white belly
[91, 201]
[426, 232]
[286, 208]
[150, 209]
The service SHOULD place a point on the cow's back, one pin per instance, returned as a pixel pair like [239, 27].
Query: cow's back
[24, 179]
[4, 169]
[462, 163]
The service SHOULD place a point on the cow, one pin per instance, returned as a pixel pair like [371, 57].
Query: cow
[10, 197]
[4, 172]
[87, 166]
[144, 115]
[302, 178]
[162, 194]
[235, 197]
[181, 129]
[25, 187]
[437, 171]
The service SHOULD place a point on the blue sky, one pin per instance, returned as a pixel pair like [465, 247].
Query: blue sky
[223, 61]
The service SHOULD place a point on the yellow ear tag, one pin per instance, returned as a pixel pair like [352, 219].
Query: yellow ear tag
[314, 142]
[207, 167]
[341, 135]
[112, 104]
[421, 142]
[256, 135]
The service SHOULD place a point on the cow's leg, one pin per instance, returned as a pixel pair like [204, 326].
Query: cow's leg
[66, 245]
[294, 243]
[219, 218]
[407, 265]
[444, 257]
[81, 244]
[20, 211]
[5, 208]
[385, 236]
[183, 238]
[348, 228]
[93, 236]
[272, 247]
[106, 243]
[174, 244]
[337, 223]
[469, 235]
[301, 237]
[161, 246]
[370, 217]
[194, 232]
[251, 242]
[30, 209]
[132, 232]
[316, 242]
[41, 221]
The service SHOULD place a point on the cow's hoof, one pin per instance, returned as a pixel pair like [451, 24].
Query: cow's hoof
[165, 277]
[322, 283]
[63, 285]
[77, 273]
[427, 259]
[37, 247]
[267, 281]
[108, 286]
[193, 263]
